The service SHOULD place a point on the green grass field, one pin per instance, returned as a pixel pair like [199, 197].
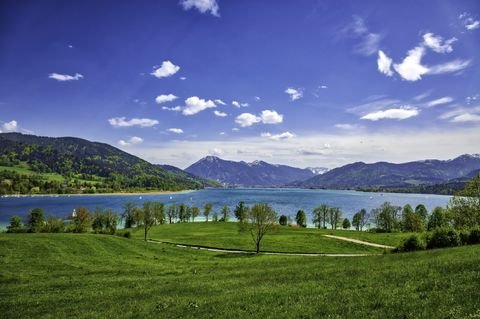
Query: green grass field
[227, 235]
[102, 276]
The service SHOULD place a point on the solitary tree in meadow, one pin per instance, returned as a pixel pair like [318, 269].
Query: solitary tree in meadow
[207, 208]
[261, 219]
[346, 224]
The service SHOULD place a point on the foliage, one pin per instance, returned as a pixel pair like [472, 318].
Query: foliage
[207, 208]
[105, 221]
[413, 221]
[320, 216]
[438, 218]
[225, 214]
[301, 218]
[386, 217]
[360, 219]
[241, 212]
[261, 219]
[15, 225]
[443, 237]
[346, 224]
[195, 212]
[283, 220]
[129, 214]
[413, 243]
[81, 220]
[53, 225]
[464, 208]
[334, 217]
[35, 220]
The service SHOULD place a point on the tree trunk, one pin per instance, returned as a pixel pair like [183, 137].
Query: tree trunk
[145, 233]
[258, 247]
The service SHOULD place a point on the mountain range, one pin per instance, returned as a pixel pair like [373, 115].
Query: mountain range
[257, 173]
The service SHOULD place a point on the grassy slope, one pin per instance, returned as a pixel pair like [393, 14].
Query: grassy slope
[227, 235]
[92, 276]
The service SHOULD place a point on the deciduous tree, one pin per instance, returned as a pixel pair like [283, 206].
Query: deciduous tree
[261, 219]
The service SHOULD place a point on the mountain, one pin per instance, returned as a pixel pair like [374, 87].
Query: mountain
[389, 175]
[257, 173]
[69, 164]
[181, 172]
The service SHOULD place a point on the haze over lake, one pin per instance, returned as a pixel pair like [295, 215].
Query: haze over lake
[284, 201]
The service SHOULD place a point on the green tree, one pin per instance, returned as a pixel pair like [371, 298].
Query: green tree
[412, 221]
[386, 217]
[241, 212]
[261, 219]
[346, 224]
[225, 214]
[81, 220]
[128, 214]
[195, 212]
[422, 211]
[438, 218]
[147, 217]
[301, 218]
[360, 219]
[36, 219]
[182, 213]
[283, 220]
[171, 213]
[334, 217]
[464, 207]
[207, 208]
[320, 216]
[15, 224]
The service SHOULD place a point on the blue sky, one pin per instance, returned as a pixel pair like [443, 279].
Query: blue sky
[304, 83]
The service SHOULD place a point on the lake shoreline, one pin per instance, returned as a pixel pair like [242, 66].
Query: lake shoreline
[102, 194]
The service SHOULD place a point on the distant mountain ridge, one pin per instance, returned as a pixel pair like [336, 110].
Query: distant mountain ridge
[257, 173]
[383, 174]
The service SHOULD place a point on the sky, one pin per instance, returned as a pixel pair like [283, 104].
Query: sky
[301, 83]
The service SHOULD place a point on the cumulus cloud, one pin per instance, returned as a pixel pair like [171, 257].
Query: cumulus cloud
[219, 114]
[277, 137]
[412, 69]
[173, 109]
[384, 63]
[204, 6]
[294, 94]
[194, 105]
[163, 98]
[437, 44]
[65, 77]
[123, 122]
[165, 70]
[443, 100]
[238, 104]
[11, 126]
[218, 101]
[398, 114]
[271, 117]
[247, 119]
[134, 140]
[175, 130]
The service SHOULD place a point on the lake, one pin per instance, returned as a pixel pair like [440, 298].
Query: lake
[284, 201]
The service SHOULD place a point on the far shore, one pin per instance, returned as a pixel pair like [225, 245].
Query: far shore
[105, 194]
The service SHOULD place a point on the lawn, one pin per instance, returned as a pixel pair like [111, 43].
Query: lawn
[227, 235]
[101, 276]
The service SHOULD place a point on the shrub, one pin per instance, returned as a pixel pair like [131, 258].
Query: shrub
[412, 243]
[283, 220]
[124, 233]
[464, 235]
[474, 237]
[443, 237]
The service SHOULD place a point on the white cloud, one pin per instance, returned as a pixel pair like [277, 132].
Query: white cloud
[11, 126]
[216, 151]
[163, 98]
[218, 101]
[134, 140]
[345, 126]
[222, 133]
[235, 129]
[469, 22]
[384, 63]
[443, 100]
[65, 77]
[175, 130]
[271, 117]
[437, 44]
[449, 67]
[277, 137]
[247, 119]
[294, 94]
[165, 70]
[398, 114]
[174, 109]
[369, 45]
[422, 96]
[183, 78]
[238, 104]
[323, 87]
[219, 114]
[194, 105]
[257, 98]
[123, 122]
[411, 68]
[203, 6]
[466, 117]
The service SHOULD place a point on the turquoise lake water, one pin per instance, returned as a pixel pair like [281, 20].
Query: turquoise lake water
[284, 201]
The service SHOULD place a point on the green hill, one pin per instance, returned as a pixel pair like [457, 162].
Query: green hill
[33, 164]
[101, 276]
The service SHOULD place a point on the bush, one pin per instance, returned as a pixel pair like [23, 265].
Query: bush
[412, 243]
[283, 220]
[474, 237]
[443, 237]
[123, 233]
[464, 236]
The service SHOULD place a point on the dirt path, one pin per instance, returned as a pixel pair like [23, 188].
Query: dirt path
[224, 250]
[361, 242]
